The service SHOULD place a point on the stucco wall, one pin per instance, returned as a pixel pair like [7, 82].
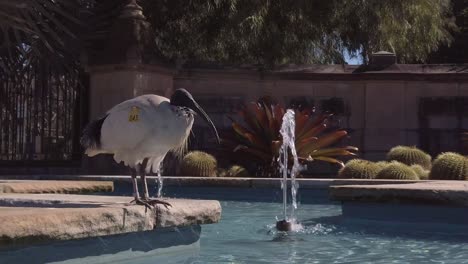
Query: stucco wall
[383, 112]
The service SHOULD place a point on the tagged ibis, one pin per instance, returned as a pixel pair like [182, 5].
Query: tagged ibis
[141, 131]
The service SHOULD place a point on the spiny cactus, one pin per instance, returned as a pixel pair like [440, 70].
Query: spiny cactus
[397, 171]
[420, 171]
[449, 166]
[382, 164]
[359, 169]
[198, 163]
[237, 171]
[221, 172]
[409, 156]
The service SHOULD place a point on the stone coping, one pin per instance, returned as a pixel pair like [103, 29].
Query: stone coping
[52, 186]
[32, 218]
[428, 192]
[214, 181]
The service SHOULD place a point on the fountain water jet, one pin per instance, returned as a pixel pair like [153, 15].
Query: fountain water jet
[160, 184]
[287, 131]
[159, 181]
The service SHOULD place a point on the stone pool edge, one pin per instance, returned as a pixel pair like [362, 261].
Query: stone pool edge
[29, 219]
[428, 192]
[323, 184]
[55, 186]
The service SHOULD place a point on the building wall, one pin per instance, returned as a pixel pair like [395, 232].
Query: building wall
[382, 112]
[381, 109]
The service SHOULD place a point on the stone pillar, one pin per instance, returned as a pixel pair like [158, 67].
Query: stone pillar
[121, 69]
[112, 84]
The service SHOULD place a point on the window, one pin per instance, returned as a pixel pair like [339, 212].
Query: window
[442, 121]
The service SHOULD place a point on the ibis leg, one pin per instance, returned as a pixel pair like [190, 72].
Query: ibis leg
[144, 185]
[145, 197]
[136, 195]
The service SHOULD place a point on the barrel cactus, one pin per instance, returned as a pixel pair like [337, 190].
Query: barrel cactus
[198, 163]
[222, 172]
[382, 164]
[397, 171]
[359, 169]
[420, 171]
[449, 166]
[409, 156]
[237, 171]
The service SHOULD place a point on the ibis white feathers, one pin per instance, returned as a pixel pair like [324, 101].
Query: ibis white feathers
[140, 132]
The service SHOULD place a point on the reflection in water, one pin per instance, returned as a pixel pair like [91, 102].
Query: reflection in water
[168, 245]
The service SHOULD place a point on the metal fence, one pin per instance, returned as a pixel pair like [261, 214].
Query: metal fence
[41, 115]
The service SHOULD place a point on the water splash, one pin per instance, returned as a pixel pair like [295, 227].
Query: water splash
[159, 182]
[287, 131]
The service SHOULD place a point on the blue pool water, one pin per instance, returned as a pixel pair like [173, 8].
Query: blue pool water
[246, 234]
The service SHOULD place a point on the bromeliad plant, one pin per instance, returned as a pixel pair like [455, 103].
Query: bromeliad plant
[256, 137]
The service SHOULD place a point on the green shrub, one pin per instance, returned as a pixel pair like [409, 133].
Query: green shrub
[359, 169]
[198, 163]
[410, 156]
[237, 171]
[397, 171]
[420, 171]
[449, 166]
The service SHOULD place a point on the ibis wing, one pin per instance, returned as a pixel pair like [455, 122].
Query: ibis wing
[143, 101]
[131, 124]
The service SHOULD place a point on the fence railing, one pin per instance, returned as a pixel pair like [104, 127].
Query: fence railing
[41, 116]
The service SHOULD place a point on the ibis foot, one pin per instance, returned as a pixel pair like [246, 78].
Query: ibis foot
[139, 201]
[154, 202]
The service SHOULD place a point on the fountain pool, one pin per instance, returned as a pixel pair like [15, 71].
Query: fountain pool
[247, 234]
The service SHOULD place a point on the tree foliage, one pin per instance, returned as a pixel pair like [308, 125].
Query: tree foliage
[313, 31]
[40, 31]
[261, 32]
[455, 52]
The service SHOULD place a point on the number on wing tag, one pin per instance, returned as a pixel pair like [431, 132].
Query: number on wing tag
[134, 114]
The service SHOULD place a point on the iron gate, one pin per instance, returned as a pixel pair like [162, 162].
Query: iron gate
[41, 116]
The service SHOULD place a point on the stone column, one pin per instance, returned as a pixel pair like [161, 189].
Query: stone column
[121, 69]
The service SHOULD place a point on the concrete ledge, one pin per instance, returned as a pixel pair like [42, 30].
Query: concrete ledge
[50, 186]
[65, 217]
[429, 192]
[214, 181]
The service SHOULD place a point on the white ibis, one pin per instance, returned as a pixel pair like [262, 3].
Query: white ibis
[141, 131]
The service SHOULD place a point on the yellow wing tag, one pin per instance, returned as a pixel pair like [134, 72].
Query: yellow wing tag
[134, 114]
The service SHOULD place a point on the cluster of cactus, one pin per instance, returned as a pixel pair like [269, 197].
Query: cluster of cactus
[359, 169]
[237, 171]
[198, 163]
[382, 164]
[221, 172]
[449, 166]
[408, 163]
[422, 173]
[410, 156]
[397, 171]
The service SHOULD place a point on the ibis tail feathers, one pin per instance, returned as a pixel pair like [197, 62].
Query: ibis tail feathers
[91, 138]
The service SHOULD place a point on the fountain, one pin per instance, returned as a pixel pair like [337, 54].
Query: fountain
[287, 131]
[160, 184]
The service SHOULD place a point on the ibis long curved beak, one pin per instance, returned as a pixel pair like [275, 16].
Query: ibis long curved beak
[202, 113]
[182, 97]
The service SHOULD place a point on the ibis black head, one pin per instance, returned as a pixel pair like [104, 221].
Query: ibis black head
[182, 97]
